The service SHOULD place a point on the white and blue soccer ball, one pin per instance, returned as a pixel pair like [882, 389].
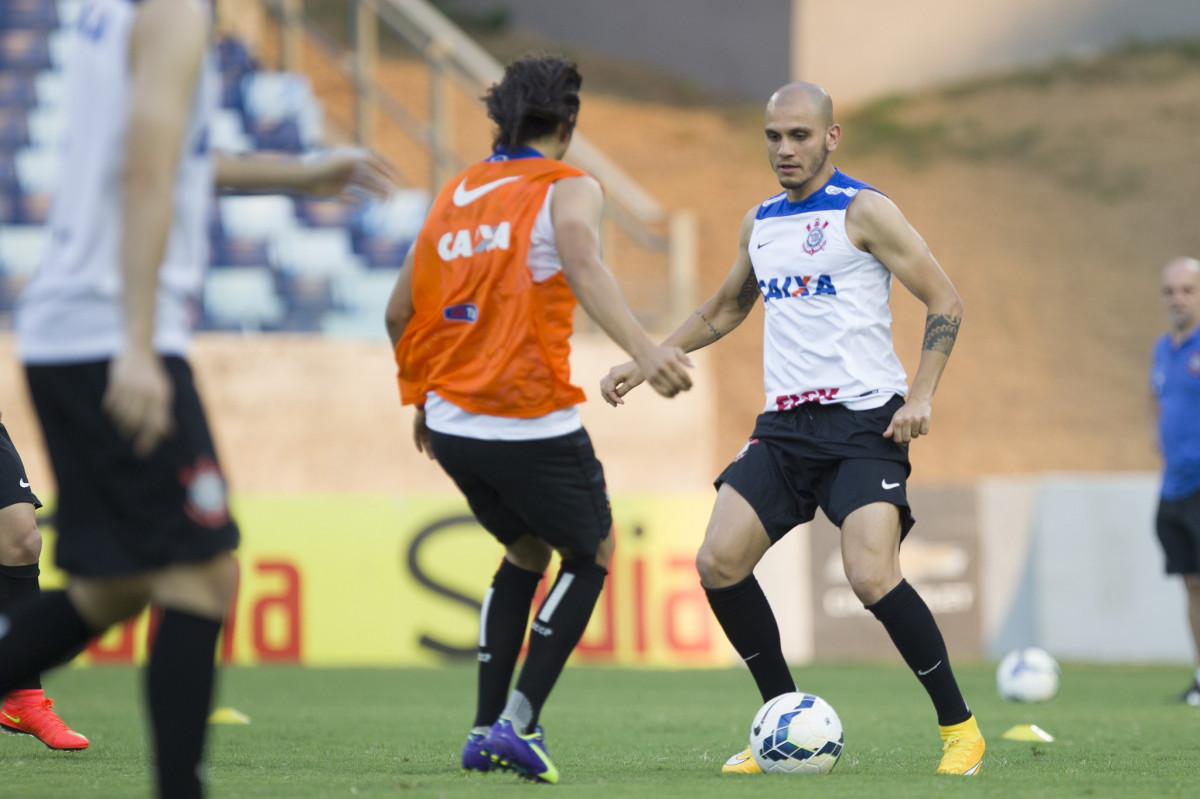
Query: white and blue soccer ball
[796, 733]
[1028, 675]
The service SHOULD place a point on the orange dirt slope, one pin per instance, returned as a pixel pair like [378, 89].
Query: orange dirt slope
[1051, 198]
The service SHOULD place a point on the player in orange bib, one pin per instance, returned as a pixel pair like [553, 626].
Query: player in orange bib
[480, 320]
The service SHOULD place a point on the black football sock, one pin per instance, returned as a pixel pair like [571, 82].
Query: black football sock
[503, 620]
[913, 630]
[43, 632]
[179, 687]
[746, 617]
[19, 584]
[557, 628]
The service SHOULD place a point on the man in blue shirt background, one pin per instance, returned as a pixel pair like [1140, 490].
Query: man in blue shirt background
[1175, 380]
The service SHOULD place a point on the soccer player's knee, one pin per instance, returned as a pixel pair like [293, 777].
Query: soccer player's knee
[20, 543]
[604, 551]
[204, 589]
[222, 579]
[869, 585]
[531, 555]
[716, 568]
[103, 603]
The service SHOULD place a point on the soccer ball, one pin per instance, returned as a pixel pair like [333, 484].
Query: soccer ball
[796, 733]
[1028, 675]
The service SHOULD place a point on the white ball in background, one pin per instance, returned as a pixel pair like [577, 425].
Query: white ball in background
[1028, 675]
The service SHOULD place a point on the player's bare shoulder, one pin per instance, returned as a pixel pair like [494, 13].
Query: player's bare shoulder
[579, 185]
[873, 219]
[747, 228]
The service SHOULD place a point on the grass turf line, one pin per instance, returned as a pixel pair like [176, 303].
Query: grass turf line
[378, 732]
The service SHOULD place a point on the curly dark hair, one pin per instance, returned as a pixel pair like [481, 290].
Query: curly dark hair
[535, 96]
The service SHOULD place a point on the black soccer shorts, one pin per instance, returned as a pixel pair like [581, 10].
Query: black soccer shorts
[550, 488]
[1178, 527]
[825, 456]
[118, 513]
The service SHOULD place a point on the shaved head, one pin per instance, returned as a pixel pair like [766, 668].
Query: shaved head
[1181, 293]
[808, 94]
[1182, 265]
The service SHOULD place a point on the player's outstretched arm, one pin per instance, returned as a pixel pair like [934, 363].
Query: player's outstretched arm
[329, 173]
[716, 316]
[575, 208]
[875, 224]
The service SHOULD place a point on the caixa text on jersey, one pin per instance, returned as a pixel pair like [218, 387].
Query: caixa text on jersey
[796, 286]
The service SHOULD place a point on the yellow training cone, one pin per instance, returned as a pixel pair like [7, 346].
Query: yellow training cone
[227, 715]
[1028, 732]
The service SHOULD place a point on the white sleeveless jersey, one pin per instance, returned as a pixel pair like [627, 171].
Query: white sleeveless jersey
[828, 328]
[71, 310]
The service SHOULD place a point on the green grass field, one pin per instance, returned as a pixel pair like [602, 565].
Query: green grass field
[362, 732]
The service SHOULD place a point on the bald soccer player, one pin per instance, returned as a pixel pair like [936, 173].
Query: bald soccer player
[839, 414]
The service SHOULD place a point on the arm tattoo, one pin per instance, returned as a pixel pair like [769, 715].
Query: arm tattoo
[941, 331]
[716, 333]
[749, 293]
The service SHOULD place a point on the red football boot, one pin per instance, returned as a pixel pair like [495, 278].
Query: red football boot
[31, 712]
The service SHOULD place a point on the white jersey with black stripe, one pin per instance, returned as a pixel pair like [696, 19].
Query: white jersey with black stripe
[828, 329]
[71, 310]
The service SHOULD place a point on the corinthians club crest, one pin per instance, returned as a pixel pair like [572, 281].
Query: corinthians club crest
[815, 241]
[205, 502]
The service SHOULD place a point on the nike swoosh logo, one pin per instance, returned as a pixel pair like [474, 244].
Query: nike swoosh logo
[931, 668]
[752, 657]
[13, 719]
[464, 196]
[889, 486]
[24, 483]
[762, 244]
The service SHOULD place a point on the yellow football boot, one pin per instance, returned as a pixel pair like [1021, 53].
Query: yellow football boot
[741, 763]
[962, 748]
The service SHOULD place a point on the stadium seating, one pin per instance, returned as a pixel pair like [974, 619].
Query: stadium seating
[21, 250]
[37, 15]
[277, 264]
[242, 299]
[228, 133]
[25, 50]
[17, 91]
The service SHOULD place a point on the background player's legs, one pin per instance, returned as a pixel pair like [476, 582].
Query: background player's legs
[1178, 527]
[871, 558]
[734, 543]
[26, 708]
[503, 620]
[557, 628]
[20, 549]
[194, 598]
[1191, 582]
[44, 632]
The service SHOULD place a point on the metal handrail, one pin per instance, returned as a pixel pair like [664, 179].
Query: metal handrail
[451, 53]
[429, 29]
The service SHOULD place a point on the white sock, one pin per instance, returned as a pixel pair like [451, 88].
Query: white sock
[519, 712]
